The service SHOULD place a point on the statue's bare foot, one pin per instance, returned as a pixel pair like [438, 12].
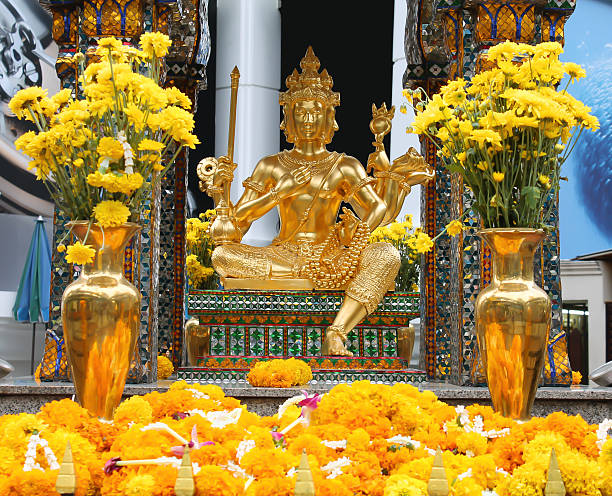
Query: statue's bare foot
[334, 342]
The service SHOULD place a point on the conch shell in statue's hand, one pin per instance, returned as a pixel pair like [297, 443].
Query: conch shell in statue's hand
[413, 167]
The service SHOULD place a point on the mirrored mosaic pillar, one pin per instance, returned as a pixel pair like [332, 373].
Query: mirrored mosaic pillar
[447, 39]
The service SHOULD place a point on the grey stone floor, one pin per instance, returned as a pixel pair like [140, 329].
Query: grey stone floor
[23, 394]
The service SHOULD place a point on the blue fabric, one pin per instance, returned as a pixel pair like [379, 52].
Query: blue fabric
[32, 302]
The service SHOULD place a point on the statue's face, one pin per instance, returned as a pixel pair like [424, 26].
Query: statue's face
[309, 120]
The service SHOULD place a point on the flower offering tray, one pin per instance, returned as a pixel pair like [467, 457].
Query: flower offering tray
[325, 370]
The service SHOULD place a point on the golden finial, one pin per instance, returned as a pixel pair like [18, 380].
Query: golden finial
[304, 483]
[438, 484]
[554, 481]
[66, 479]
[184, 485]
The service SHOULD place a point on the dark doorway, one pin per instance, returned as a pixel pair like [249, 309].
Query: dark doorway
[576, 324]
[204, 124]
[354, 44]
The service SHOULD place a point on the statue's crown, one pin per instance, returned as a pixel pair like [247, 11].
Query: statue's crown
[310, 83]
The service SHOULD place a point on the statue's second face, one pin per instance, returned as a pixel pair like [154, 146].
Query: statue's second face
[309, 120]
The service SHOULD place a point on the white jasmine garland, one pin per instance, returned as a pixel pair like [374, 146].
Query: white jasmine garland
[335, 444]
[128, 153]
[465, 475]
[219, 419]
[404, 441]
[30, 462]
[335, 468]
[235, 469]
[603, 431]
[294, 400]
[243, 448]
[198, 395]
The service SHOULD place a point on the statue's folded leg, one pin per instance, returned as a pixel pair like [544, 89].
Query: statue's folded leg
[243, 261]
[253, 262]
[377, 269]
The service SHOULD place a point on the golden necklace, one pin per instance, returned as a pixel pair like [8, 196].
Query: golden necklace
[288, 161]
[336, 272]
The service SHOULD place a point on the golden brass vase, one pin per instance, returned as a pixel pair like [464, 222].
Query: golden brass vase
[513, 321]
[101, 316]
[197, 338]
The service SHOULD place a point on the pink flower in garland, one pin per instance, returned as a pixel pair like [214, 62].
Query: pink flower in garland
[193, 444]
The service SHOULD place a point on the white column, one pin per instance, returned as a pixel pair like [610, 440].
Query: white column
[249, 36]
[400, 140]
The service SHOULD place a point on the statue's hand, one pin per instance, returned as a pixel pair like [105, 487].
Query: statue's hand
[378, 161]
[413, 168]
[225, 171]
[287, 185]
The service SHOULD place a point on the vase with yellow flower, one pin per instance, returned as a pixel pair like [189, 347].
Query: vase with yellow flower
[101, 156]
[506, 133]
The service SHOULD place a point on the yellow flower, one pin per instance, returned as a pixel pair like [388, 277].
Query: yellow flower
[110, 148]
[111, 213]
[574, 71]
[80, 254]
[482, 136]
[110, 43]
[544, 181]
[422, 242]
[150, 145]
[61, 248]
[443, 134]
[164, 367]
[177, 97]
[482, 165]
[28, 97]
[155, 44]
[62, 97]
[141, 485]
[498, 177]
[454, 227]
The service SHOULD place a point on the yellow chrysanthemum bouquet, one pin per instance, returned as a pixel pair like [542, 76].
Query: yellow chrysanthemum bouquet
[101, 154]
[508, 130]
[411, 243]
[199, 251]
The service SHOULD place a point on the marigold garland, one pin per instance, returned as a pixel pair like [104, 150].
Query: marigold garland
[164, 367]
[363, 439]
[280, 373]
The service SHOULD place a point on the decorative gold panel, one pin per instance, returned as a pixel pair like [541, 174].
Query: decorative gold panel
[109, 18]
[64, 28]
[505, 21]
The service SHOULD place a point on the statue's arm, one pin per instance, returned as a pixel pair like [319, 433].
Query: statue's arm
[394, 181]
[358, 190]
[259, 196]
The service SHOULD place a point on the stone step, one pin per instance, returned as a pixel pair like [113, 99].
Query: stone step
[325, 370]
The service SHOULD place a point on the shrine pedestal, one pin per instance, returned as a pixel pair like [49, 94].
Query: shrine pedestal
[246, 326]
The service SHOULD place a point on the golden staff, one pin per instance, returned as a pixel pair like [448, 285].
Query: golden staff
[223, 230]
[235, 76]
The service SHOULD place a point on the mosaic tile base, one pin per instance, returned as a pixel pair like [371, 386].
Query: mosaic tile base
[315, 362]
[238, 377]
[287, 340]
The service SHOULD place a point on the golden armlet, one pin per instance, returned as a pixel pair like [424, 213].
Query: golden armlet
[364, 182]
[394, 176]
[248, 183]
